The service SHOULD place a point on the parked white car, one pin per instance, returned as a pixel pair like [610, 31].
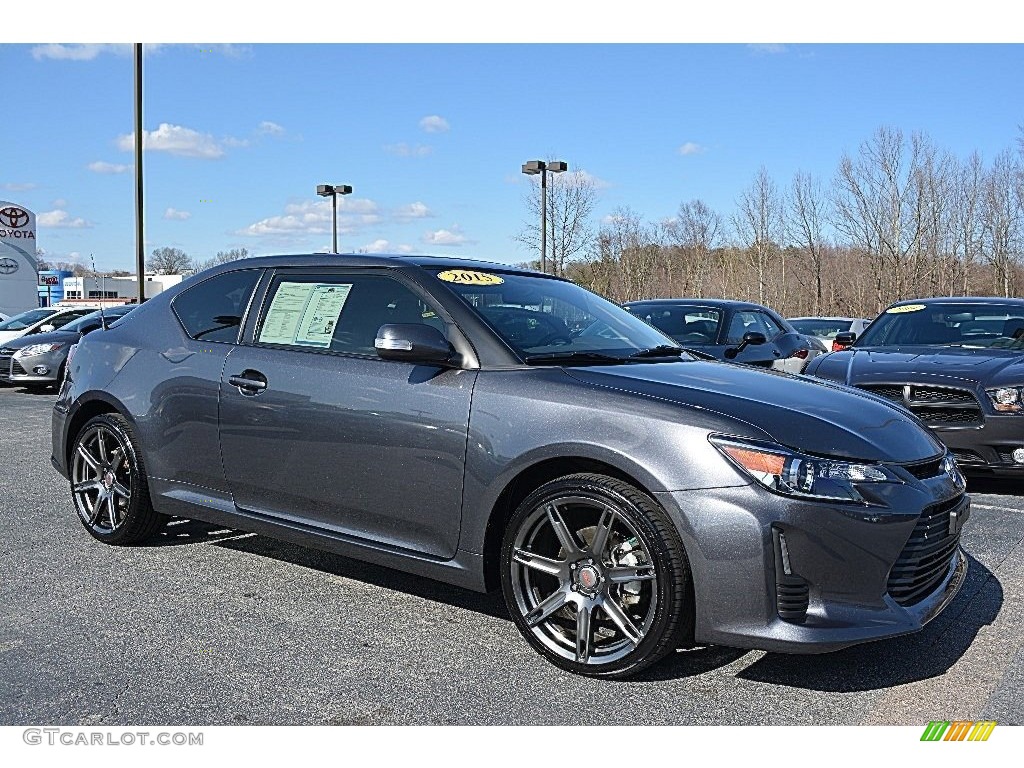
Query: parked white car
[41, 320]
[825, 328]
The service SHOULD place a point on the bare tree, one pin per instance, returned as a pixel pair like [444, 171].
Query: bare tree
[1001, 220]
[760, 226]
[807, 216]
[223, 257]
[966, 222]
[571, 198]
[169, 261]
[690, 239]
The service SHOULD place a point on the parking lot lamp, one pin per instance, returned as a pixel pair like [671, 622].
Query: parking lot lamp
[333, 190]
[532, 168]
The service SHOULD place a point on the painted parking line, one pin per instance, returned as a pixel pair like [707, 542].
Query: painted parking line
[995, 507]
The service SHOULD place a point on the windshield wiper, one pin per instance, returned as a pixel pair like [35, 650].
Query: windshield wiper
[577, 356]
[664, 350]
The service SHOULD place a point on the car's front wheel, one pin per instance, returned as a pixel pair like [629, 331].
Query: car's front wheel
[595, 576]
[108, 483]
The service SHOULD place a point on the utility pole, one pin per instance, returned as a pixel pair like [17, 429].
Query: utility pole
[140, 242]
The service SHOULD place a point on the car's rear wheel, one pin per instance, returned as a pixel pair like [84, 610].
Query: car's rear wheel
[595, 576]
[108, 483]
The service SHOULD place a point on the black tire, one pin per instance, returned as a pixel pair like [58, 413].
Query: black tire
[591, 577]
[129, 520]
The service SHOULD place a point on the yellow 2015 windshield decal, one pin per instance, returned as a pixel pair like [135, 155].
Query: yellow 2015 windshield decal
[469, 277]
[904, 308]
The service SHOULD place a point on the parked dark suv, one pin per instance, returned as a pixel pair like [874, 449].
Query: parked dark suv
[489, 426]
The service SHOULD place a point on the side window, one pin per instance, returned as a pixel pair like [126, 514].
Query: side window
[771, 328]
[339, 313]
[59, 321]
[212, 310]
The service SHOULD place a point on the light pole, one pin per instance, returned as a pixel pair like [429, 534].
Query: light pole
[532, 168]
[333, 190]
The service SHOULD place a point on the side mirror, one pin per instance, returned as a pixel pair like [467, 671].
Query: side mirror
[413, 343]
[843, 340]
[46, 328]
[749, 338]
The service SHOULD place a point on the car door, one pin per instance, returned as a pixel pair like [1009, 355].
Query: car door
[746, 320]
[328, 434]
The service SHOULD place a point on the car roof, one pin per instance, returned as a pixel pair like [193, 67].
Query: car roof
[376, 260]
[827, 317]
[711, 303]
[962, 300]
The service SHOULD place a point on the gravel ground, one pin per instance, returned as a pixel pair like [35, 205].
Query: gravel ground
[208, 627]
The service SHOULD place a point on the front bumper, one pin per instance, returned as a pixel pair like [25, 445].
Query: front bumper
[21, 370]
[988, 448]
[847, 565]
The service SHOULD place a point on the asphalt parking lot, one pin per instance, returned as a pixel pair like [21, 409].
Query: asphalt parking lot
[208, 626]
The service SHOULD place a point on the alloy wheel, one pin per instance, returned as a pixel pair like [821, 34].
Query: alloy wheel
[101, 479]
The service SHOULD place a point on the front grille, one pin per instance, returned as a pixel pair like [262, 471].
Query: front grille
[926, 556]
[925, 469]
[889, 392]
[933, 405]
[967, 456]
[5, 364]
[17, 369]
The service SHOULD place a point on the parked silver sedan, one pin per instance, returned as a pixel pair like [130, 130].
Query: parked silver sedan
[38, 360]
[824, 329]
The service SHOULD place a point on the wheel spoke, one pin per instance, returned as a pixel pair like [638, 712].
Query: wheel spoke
[101, 445]
[88, 459]
[112, 511]
[549, 605]
[94, 508]
[539, 563]
[88, 485]
[583, 634]
[116, 460]
[604, 529]
[623, 574]
[121, 491]
[565, 537]
[622, 621]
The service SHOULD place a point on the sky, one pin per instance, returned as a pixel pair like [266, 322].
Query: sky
[432, 136]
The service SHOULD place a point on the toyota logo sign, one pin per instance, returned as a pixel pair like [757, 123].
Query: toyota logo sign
[8, 266]
[12, 216]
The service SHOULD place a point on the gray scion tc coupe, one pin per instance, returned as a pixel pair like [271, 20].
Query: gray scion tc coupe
[493, 427]
[957, 364]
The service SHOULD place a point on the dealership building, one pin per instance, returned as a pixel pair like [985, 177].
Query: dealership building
[113, 290]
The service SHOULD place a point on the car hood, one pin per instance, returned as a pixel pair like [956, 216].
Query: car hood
[53, 337]
[956, 365]
[802, 413]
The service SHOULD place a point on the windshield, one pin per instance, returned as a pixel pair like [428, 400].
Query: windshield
[948, 325]
[93, 317]
[823, 327]
[541, 318]
[686, 323]
[25, 319]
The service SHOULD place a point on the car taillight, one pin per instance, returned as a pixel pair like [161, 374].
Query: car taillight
[801, 353]
[837, 347]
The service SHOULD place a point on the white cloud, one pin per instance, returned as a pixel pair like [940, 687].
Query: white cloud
[377, 246]
[231, 141]
[415, 210]
[175, 140]
[60, 202]
[403, 248]
[408, 150]
[173, 214]
[228, 50]
[447, 237]
[268, 128]
[767, 47]
[691, 148]
[15, 187]
[101, 166]
[86, 52]
[434, 124]
[314, 218]
[61, 219]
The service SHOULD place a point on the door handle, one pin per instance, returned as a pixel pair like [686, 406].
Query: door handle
[249, 382]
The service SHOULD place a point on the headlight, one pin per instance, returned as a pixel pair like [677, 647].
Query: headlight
[1006, 399]
[949, 466]
[37, 349]
[784, 471]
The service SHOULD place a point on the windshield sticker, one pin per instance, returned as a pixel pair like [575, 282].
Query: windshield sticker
[904, 308]
[305, 314]
[469, 277]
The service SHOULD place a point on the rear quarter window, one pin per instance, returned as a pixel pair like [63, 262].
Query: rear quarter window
[213, 309]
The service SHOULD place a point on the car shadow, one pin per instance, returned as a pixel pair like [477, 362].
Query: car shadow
[1000, 486]
[870, 666]
[490, 604]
